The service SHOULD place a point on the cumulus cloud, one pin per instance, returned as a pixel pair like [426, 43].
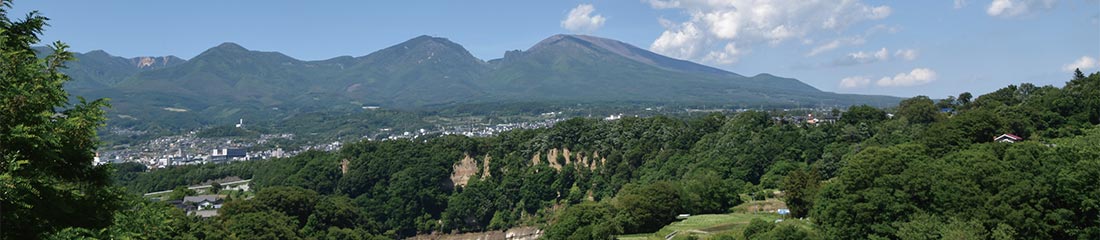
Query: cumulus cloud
[1009, 8]
[854, 82]
[681, 43]
[907, 54]
[1085, 62]
[720, 31]
[918, 76]
[580, 19]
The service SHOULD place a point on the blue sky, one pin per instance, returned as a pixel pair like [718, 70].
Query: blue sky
[901, 48]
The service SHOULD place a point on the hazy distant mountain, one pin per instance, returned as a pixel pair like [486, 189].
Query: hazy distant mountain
[98, 69]
[586, 68]
[230, 81]
[419, 72]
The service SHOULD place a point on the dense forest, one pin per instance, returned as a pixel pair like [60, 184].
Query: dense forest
[927, 169]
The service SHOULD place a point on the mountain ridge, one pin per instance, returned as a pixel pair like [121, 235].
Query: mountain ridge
[426, 72]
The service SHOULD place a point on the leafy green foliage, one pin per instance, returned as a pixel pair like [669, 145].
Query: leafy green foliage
[924, 174]
[863, 114]
[800, 189]
[180, 192]
[47, 181]
[919, 109]
[262, 225]
[585, 221]
[646, 208]
[757, 226]
[956, 184]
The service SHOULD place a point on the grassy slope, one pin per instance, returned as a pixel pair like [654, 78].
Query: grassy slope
[712, 225]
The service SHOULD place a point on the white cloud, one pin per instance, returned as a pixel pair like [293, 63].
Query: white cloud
[862, 57]
[829, 46]
[836, 43]
[868, 57]
[580, 19]
[679, 43]
[907, 54]
[1085, 62]
[662, 4]
[918, 76]
[854, 82]
[881, 12]
[728, 55]
[720, 30]
[960, 4]
[1009, 8]
[851, 40]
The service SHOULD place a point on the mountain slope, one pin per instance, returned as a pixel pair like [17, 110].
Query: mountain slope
[229, 81]
[586, 68]
[99, 70]
[421, 71]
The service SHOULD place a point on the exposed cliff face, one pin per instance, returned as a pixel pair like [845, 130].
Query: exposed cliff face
[577, 158]
[466, 168]
[463, 170]
[154, 62]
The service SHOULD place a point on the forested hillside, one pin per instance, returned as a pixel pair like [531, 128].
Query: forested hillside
[924, 172]
[229, 82]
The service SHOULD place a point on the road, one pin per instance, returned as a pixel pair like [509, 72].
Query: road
[202, 187]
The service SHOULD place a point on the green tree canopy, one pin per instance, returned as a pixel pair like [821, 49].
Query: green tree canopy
[863, 114]
[47, 181]
[919, 109]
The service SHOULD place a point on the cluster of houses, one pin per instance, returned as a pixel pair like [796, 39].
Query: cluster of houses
[201, 205]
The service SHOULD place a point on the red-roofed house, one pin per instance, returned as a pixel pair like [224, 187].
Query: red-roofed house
[1008, 138]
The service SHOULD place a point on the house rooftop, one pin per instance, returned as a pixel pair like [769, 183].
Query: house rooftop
[1010, 136]
[200, 198]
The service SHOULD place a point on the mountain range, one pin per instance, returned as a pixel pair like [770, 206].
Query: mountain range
[229, 81]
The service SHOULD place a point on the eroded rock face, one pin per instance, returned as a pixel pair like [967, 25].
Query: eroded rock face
[151, 62]
[485, 167]
[579, 159]
[466, 168]
[463, 170]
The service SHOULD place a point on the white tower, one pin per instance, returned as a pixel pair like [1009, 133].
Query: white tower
[240, 123]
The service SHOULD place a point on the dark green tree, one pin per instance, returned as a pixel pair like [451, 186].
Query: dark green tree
[756, 227]
[949, 102]
[646, 208]
[863, 114]
[179, 192]
[47, 181]
[964, 98]
[262, 226]
[295, 202]
[585, 221]
[919, 109]
[799, 190]
[215, 187]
